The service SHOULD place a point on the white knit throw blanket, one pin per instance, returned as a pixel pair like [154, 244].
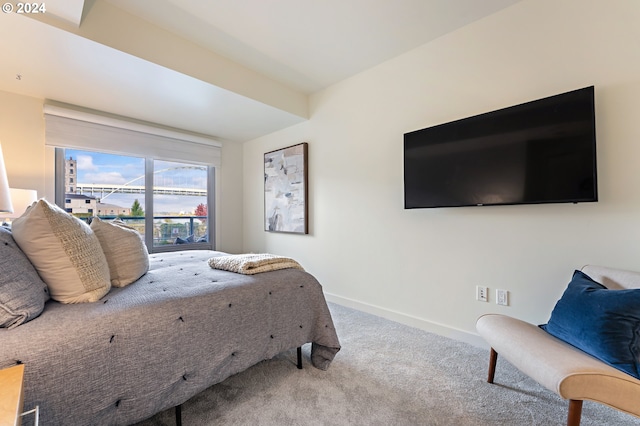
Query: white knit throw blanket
[250, 264]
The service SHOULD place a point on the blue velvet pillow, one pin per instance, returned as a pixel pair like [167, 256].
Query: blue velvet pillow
[603, 323]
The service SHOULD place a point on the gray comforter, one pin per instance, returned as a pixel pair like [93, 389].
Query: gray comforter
[154, 344]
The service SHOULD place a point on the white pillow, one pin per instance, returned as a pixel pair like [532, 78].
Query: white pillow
[124, 249]
[65, 252]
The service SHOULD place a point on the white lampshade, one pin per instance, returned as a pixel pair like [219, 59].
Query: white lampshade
[21, 199]
[5, 199]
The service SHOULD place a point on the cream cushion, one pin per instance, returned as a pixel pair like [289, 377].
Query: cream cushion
[65, 252]
[124, 249]
[558, 366]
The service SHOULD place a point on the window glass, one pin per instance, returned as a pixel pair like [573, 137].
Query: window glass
[103, 181]
[117, 186]
[179, 203]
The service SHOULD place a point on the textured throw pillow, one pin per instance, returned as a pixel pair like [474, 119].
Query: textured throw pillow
[603, 323]
[22, 292]
[124, 249]
[65, 252]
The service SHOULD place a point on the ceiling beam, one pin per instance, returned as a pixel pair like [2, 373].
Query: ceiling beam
[111, 26]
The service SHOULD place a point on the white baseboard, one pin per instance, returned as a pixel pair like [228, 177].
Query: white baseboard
[412, 321]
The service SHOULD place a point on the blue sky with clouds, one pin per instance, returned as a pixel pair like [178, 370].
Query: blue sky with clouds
[99, 168]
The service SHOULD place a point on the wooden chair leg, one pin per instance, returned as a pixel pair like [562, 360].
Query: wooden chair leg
[575, 412]
[299, 357]
[493, 359]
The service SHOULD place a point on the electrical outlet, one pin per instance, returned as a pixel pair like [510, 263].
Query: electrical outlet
[482, 293]
[502, 297]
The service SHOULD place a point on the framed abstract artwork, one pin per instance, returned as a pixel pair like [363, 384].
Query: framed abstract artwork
[285, 190]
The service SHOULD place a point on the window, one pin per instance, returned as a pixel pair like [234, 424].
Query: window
[180, 200]
[166, 201]
[155, 158]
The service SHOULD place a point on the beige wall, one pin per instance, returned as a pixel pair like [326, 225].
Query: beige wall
[30, 165]
[421, 266]
[22, 138]
[229, 182]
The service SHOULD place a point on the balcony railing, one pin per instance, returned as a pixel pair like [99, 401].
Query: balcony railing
[168, 230]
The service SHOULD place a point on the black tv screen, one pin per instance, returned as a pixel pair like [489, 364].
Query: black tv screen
[542, 151]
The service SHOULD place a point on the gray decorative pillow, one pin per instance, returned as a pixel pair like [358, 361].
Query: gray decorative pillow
[22, 291]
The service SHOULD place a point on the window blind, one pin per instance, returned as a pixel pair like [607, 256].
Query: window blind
[69, 128]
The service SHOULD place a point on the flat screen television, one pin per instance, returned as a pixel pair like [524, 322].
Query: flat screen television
[542, 151]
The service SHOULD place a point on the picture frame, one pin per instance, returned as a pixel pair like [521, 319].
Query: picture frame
[286, 208]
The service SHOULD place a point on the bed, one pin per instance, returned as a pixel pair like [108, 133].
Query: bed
[152, 345]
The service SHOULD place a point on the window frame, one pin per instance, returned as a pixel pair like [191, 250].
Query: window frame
[60, 200]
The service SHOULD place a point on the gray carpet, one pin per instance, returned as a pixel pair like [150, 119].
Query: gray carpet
[386, 374]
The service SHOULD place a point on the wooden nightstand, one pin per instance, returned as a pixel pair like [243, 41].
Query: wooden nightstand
[11, 395]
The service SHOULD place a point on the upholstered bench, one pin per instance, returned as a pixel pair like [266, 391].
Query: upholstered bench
[559, 366]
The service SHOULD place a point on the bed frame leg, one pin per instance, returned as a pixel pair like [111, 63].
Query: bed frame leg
[493, 359]
[179, 415]
[299, 357]
[575, 412]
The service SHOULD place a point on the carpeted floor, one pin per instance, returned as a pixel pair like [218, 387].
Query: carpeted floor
[386, 374]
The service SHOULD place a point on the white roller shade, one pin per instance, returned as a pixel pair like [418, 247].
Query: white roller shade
[68, 128]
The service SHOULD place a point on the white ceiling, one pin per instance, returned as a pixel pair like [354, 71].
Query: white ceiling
[303, 45]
